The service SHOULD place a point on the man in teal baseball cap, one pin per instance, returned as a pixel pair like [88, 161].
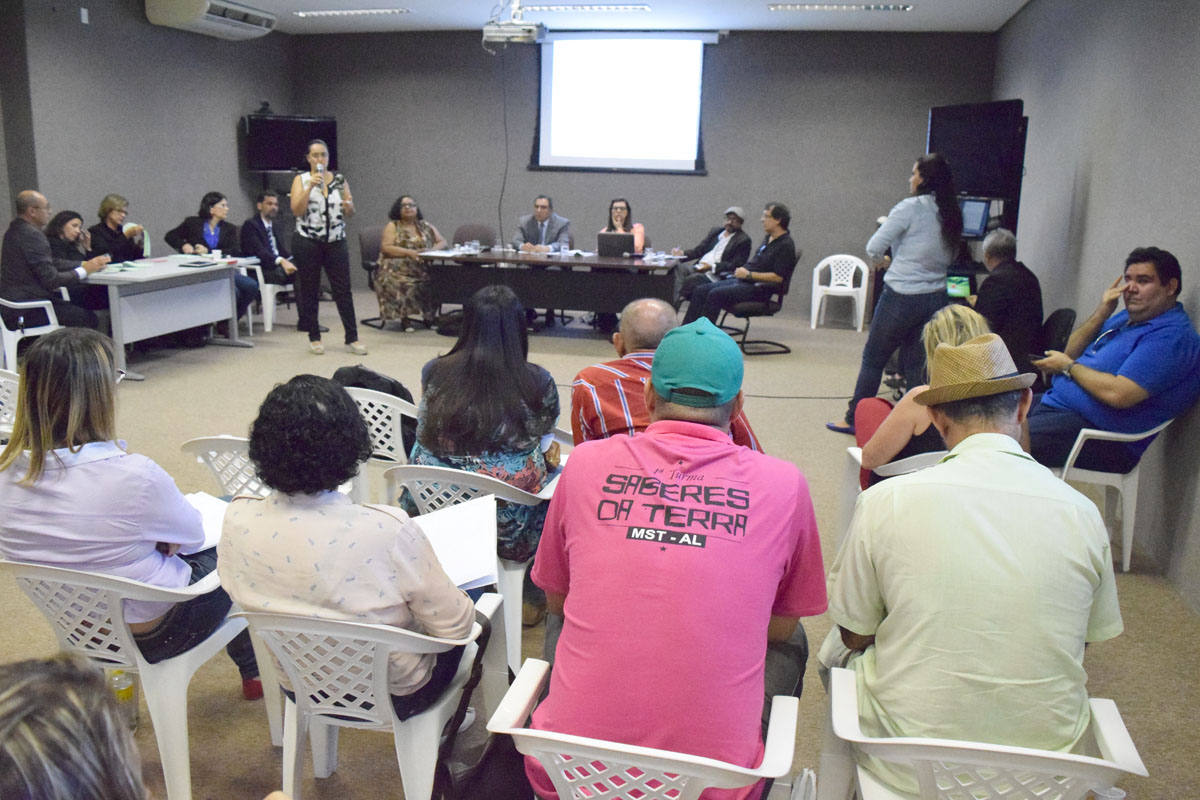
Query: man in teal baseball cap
[696, 553]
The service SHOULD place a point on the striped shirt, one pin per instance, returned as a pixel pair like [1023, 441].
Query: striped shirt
[609, 399]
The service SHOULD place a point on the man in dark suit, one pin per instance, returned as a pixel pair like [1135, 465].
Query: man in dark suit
[1011, 299]
[724, 249]
[28, 270]
[259, 239]
[543, 231]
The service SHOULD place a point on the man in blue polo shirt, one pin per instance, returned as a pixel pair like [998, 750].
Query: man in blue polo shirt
[1125, 372]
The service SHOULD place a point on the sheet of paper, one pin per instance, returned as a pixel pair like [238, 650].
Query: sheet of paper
[464, 539]
[212, 515]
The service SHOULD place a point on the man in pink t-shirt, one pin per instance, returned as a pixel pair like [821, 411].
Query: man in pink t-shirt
[679, 561]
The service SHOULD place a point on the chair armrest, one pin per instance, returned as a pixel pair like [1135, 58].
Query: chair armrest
[521, 697]
[1087, 434]
[855, 454]
[488, 605]
[1113, 738]
[843, 699]
[780, 746]
[46, 305]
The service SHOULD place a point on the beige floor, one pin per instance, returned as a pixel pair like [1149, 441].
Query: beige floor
[1150, 670]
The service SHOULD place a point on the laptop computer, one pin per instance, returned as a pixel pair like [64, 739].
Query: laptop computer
[614, 245]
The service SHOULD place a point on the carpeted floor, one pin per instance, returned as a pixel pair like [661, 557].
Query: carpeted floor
[1149, 670]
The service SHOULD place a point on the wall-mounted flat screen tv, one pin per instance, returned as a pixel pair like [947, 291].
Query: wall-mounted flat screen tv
[277, 143]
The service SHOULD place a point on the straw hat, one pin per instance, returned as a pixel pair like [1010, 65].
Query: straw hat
[976, 368]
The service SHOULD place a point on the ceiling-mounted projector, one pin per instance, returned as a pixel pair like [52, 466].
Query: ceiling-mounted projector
[515, 32]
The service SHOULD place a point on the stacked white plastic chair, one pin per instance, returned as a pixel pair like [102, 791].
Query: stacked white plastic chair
[843, 270]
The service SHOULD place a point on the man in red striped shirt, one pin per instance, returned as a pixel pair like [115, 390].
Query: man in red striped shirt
[609, 399]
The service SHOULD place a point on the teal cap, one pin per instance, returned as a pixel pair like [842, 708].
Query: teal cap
[701, 359]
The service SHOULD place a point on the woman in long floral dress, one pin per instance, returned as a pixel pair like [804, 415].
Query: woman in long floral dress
[402, 278]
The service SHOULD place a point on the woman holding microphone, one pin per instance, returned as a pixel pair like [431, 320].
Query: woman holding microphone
[322, 203]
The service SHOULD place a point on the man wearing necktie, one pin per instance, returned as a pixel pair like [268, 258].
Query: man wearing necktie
[543, 231]
[259, 238]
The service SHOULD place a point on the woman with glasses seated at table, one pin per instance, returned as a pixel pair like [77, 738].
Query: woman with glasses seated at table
[207, 232]
[112, 236]
[286, 552]
[69, 241]
[620, 220]
[402, 278]
[71, 496]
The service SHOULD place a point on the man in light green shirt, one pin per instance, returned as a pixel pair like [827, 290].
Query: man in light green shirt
[965, 593]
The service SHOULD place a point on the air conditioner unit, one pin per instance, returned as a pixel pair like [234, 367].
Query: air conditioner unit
[514, 32]
[218, 18]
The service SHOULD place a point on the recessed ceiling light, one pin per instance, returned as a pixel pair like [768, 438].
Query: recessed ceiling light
[352, 12]
[839, 7]
[578, 7]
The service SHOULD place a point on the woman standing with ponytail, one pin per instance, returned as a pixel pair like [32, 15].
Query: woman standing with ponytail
[923, 231]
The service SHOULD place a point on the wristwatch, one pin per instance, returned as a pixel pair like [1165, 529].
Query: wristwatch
[1067, 371]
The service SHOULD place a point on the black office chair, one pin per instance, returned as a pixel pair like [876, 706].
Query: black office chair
[474, 232]
[370, 240]
[760, 308]
[1056, 331]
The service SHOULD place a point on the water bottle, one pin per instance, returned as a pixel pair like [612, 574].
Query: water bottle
[125, 689]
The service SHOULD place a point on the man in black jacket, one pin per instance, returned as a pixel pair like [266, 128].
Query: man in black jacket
[1011, 299]
[724, 249]
[773, 264]
[28, 270]
[260, 239]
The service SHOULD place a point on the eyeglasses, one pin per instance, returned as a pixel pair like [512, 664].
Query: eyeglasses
[408, 205]
[1103, 339]
[120, 376]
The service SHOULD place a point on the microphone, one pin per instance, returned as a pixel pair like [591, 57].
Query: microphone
[320, 169]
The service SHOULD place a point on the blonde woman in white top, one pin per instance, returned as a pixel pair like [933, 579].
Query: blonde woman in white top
[322, 203]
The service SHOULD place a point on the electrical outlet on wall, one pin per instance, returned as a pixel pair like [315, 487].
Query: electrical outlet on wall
[83, 15]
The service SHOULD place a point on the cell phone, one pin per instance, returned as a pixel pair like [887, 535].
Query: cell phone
[1035, 356]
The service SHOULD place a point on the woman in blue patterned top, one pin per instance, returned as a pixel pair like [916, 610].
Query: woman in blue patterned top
[486, 409]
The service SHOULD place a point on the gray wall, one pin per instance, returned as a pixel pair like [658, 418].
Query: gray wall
[826, 123]
[120, 105]
[1113, 162]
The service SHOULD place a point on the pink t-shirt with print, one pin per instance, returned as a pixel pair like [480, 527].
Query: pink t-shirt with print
[674, 548]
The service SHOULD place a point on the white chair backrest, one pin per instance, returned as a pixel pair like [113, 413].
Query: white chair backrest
[911, 464]
[8, 398]
[436, 487]
[383, 414]
[950, 770]
[228, 457]
[85, 609]
[842, 269]
[583, 767]
[341, 668]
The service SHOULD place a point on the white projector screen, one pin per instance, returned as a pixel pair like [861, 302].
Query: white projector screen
[621, 101]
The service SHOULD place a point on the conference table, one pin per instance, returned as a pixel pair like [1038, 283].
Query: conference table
[153, 296]
[551, 280]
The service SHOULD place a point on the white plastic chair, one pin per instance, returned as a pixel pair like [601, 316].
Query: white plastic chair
[11, 336]
[383, 414]
[1126, 485]
[339, 673]
[268, 292]
[842, 271]
[87, 614]
[228, 457]
[432, 488]
[852, 488]
[9, 381]
[954, 770]
[620, 771]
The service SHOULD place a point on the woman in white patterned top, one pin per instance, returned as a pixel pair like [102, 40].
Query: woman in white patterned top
[322, 203]
[307, 549]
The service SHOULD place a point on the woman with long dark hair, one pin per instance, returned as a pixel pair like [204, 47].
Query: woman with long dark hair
[486, 409]
[322, 203]
[69, 241]
[923, 231]
[208, 231]
[620, 220]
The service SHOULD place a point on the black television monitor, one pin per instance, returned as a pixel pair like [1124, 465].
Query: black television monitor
[984, 143]
[975, 213]
[277, 142]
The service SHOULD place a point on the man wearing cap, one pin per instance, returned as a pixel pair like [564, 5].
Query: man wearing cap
[724, 249]
[758, 279]
[609, 399]
[1126, 372]
[682, 564]
[964, 593]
